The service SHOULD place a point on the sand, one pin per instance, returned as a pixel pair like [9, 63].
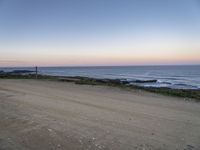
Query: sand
[50, 115]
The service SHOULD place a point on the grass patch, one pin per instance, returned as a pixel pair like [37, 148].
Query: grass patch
[186, 93]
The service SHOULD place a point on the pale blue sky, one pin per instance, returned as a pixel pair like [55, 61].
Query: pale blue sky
[99, 32]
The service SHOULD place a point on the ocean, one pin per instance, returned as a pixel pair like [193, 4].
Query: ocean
[179, 77]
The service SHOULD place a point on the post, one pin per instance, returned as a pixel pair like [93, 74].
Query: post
[36, 72]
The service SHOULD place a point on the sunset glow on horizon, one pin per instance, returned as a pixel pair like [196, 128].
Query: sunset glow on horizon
[99, 33]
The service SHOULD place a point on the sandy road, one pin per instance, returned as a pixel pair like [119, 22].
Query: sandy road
[47, 115]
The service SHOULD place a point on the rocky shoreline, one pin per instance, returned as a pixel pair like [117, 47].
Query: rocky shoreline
[188, 94]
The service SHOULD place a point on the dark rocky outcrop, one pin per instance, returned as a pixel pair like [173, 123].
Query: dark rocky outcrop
[21, 71]
[145, 81]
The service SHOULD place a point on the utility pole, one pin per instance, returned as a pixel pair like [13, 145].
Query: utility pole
[36, 72]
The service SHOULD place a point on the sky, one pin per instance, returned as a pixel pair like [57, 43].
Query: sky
[99, 32]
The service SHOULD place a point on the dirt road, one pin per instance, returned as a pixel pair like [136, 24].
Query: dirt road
[48, 115]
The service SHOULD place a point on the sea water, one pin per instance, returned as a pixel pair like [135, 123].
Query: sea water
[181, 77]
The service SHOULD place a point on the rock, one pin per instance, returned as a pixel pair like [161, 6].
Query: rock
[145, 81]
[50, 130]
[80, 141]
[93, 138]
[68, 79]
[125, 82]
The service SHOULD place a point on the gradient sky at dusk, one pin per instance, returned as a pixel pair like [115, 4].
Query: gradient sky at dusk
[99, 32]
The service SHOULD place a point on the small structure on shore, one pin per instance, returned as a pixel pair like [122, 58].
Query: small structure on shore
[36, 72]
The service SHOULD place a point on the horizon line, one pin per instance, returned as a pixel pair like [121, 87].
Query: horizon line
[76, 66]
